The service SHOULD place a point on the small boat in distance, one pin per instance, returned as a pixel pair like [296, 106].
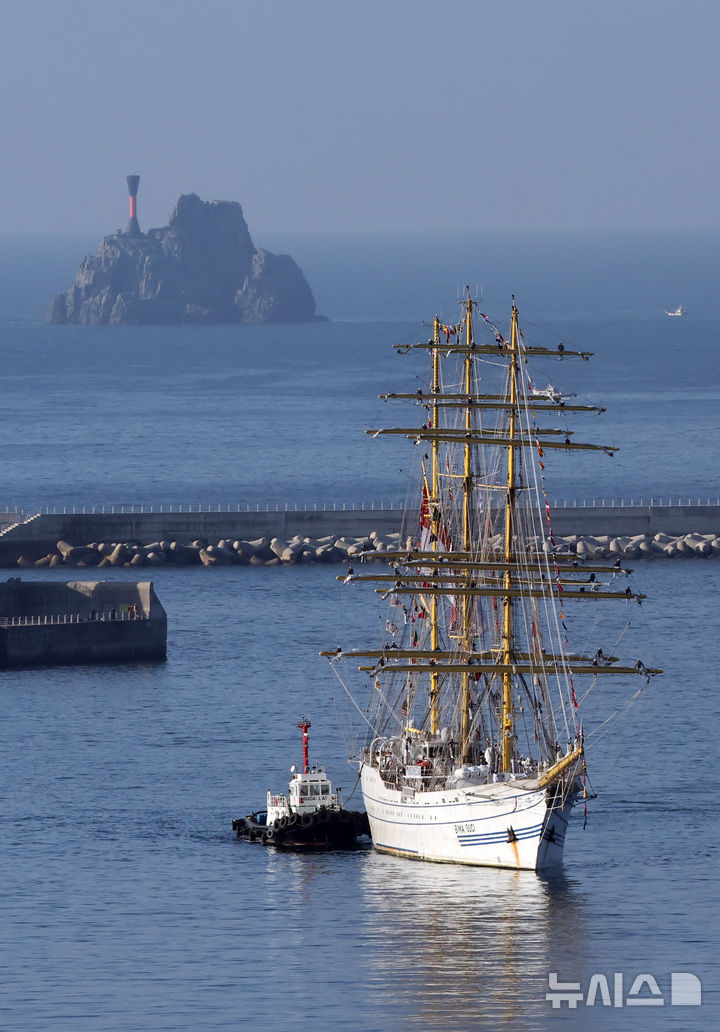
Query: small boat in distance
[311, 816]
[676, 311]
[474, 746]
[549, 393]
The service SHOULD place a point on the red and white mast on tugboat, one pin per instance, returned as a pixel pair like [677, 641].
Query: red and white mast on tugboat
[304, 726]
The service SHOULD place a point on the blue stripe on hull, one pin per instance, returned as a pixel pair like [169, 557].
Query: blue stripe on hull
[493, 837]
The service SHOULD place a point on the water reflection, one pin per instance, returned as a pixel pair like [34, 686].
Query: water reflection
[458, 948]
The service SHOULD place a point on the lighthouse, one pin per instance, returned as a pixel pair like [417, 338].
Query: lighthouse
[133, 227]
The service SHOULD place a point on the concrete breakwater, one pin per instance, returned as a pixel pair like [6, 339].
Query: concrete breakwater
[641, 546]
[220, 538]
[37, 536]
[330, 549]
[260, 552]
[49, 622]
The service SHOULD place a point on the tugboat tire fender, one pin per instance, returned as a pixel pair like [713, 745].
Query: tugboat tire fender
[292, 820]
[306, 820]
[282, 822]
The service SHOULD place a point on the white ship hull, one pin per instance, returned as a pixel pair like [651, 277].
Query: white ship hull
[505, 824]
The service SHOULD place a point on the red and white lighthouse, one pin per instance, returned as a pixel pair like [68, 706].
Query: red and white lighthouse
[133, 226]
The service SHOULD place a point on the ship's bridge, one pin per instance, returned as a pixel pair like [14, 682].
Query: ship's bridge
[308, 791]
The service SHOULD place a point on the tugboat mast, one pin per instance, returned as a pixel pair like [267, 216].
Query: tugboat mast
[304, 726]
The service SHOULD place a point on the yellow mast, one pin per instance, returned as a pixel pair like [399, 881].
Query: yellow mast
[467, 530]
[507, 643]
[433, 503]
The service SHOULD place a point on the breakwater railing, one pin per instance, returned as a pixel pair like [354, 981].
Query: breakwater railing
[52, 619]
[143, 509]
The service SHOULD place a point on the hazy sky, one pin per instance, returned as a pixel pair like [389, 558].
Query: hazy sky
[362, 114]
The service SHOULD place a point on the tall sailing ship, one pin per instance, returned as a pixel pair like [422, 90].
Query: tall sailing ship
[475, 750]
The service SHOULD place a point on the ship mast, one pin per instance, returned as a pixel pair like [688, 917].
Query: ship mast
[467, 601]
[433, 503]
[507, 642]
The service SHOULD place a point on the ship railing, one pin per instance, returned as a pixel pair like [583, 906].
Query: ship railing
[52, 619]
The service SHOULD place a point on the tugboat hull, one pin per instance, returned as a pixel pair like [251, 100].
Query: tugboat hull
[320, 831]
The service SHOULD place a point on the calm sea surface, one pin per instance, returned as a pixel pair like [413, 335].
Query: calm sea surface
[127, 903]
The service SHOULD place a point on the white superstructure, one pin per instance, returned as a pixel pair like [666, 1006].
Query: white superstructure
[308, 791]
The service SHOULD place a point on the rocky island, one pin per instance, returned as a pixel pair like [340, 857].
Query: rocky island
[201, 268]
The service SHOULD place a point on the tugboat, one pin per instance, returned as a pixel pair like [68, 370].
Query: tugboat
[310, 817]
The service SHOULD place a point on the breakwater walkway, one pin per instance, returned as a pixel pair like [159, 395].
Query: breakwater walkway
[35, 537]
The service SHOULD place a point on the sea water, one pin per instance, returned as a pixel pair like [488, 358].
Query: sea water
[127, 902]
